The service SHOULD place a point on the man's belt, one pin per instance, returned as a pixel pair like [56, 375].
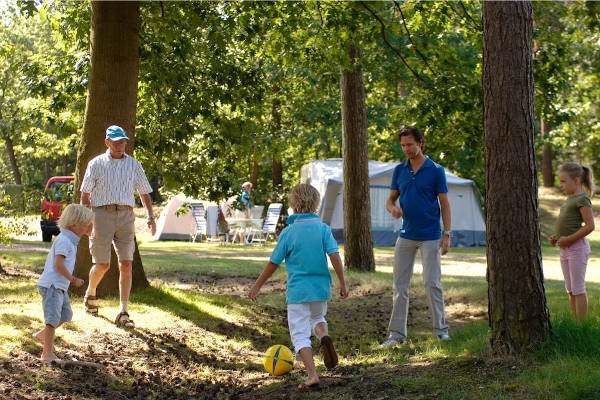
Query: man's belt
[115, 207]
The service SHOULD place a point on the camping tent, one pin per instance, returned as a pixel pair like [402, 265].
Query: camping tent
[468, 226]
[171, 226]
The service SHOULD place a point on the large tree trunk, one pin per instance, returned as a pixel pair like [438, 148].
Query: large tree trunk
[10, 151]
[519, 317]
[547, 169]
[358, 243]
[112, 97]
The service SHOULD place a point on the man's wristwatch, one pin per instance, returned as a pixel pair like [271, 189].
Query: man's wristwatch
[449, 233]
[151, 217]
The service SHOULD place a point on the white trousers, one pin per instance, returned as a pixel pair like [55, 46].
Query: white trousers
[302, 318]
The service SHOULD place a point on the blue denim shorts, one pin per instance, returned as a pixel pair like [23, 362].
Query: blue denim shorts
[56, 304]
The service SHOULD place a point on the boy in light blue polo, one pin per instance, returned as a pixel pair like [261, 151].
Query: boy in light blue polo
[76, 220]
[304, 245]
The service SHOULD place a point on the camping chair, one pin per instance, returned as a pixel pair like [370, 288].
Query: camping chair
[270, 224]
[199, 220]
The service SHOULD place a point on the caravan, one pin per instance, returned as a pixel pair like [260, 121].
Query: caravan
[468, 225]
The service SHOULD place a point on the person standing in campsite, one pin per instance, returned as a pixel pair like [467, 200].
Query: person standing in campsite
[420, 184]
[577, 183]
[108, 189]
[245, 198]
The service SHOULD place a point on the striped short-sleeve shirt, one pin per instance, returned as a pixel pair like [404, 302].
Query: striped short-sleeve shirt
[114, 180]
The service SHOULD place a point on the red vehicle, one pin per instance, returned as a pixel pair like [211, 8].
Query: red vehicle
[59, 190]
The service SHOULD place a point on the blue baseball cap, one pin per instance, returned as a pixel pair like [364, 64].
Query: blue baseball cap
[115, 132]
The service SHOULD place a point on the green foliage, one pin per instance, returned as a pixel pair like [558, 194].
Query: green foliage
[227, 88]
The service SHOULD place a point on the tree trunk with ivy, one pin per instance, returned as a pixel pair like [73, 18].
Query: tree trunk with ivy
[112, 98]
[518, 314]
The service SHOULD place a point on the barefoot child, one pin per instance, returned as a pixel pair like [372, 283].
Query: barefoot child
[570, 235]
[76, 220]
[303, 245]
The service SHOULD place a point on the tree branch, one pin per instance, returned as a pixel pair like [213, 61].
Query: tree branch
[475, 23]
[410, 38]
[389, 44]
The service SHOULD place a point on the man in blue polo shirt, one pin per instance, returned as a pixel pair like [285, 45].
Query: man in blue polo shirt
[420, 184]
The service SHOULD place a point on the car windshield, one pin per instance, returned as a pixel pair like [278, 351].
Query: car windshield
[60, 191]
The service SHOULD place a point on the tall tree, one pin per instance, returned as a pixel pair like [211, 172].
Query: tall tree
[358, 243]
[518, 313]
[112, 97]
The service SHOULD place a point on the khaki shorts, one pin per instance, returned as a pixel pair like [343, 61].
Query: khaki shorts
[113, 225]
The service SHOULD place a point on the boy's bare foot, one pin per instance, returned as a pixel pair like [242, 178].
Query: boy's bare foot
[330, 358]
[39, 336]
[309, 383]
[49, 358]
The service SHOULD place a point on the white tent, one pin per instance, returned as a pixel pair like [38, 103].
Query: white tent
[171, 226]
[468, 226]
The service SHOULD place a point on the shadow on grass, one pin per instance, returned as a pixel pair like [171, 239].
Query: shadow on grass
[159, 298]
[24, 380]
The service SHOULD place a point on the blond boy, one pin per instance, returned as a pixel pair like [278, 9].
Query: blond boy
[303, 244]
[76, 220]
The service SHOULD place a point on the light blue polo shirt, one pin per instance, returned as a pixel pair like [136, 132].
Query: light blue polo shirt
[304, 245]
[65, 244]
[419, 199]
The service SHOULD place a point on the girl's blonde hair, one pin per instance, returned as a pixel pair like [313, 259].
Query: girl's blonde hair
[75, 214]
[245, 185]
[576, 170]
[304, 199]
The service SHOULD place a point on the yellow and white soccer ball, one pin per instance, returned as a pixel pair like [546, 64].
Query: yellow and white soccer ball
[278, 360]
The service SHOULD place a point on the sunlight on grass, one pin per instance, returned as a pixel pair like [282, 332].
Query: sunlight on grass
[198, 299]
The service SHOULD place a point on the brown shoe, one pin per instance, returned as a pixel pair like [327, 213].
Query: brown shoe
[330, 357]
[90, 304]
[124, 321]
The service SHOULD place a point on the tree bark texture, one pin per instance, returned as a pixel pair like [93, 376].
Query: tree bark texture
[358, 243]
[547, 169]
[519, 317]
[10, 152]
[112, 98]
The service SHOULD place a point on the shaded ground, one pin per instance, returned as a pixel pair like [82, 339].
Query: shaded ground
[191, 359]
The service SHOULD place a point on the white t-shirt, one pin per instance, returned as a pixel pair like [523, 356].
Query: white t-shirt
[65, 244]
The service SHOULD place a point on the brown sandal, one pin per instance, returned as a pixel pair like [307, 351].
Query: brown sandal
[91, 304]
[330, 358]
[124, 321]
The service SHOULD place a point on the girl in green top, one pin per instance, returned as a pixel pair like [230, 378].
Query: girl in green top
[570, 235]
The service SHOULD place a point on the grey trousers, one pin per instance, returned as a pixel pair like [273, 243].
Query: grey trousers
[404, 260]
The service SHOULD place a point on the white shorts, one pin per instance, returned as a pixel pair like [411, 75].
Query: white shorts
[302, 318]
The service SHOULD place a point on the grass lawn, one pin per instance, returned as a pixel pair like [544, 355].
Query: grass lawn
[198, 336]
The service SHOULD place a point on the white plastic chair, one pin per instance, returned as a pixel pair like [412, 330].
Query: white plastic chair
[199, 216]
[269, 225]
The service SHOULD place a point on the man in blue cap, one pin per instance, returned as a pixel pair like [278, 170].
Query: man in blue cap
[108, 188]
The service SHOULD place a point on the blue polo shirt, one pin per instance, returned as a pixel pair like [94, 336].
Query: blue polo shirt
[246, 199]
[419, 199]
[304, 245]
